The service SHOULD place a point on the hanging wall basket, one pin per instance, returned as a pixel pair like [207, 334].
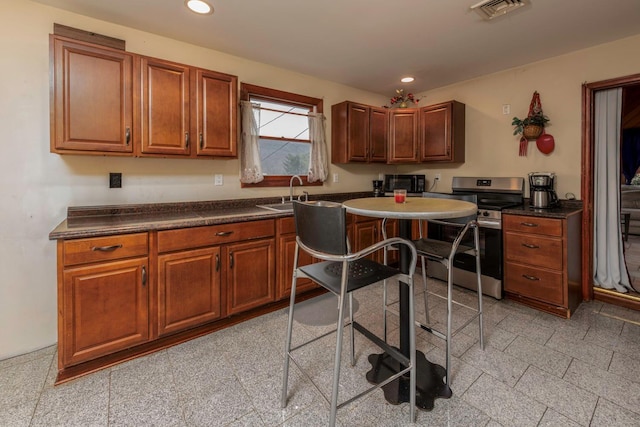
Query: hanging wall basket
[532, 132]
[532, 127]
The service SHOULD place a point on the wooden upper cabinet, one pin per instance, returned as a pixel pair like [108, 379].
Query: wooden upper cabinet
[379, 123]
[91, 98]
[165, 114]
[442, 136]
[109, 102]
[403, 135]
[216, 115]
[358, 133]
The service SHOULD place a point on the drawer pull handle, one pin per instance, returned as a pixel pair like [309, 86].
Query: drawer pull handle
[526, 276]
[127, 135]
[231, 260]
[106, 248]
[530, 246]
[186, 139]
[217, 262]
[144, 276]
[529, 224]
[224, 233]
[201, 141]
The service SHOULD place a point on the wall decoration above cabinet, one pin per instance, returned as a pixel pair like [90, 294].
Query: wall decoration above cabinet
[107, 101]
[362, 133]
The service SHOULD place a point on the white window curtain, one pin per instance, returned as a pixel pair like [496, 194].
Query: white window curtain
[318, 169]
[250, 167]
[610, 271]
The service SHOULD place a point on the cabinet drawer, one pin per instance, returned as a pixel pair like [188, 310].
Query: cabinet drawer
[96, 249]
[532, 224]
[286, 225]
[543, 285]
[186, 238]
[533, 249]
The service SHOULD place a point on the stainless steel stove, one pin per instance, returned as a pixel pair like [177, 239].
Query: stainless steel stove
[494, 194]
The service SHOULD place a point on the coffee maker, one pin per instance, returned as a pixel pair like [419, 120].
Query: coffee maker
[378, 190]
[542, 190]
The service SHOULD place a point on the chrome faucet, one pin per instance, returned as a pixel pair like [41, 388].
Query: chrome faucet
[291, 186]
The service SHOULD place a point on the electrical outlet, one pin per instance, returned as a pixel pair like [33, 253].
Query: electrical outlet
[336, 177]
[506, 108]
[115, 180]
[218, 179]
[437, 177]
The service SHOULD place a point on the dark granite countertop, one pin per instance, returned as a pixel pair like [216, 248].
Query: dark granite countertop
[565, 209]
[93, 221]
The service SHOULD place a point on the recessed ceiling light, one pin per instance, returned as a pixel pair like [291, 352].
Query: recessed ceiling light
[199, 6]
[407, 79]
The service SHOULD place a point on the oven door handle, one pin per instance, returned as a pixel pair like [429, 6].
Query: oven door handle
[495, 225]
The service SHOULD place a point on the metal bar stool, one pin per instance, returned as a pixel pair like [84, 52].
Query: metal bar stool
[321, 231]
[444, 252]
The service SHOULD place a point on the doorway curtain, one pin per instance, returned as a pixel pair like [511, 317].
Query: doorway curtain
[610, 271]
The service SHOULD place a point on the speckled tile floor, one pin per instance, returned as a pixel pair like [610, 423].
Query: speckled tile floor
[536, 370]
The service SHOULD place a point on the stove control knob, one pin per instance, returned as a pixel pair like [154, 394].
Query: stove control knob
[485, 213]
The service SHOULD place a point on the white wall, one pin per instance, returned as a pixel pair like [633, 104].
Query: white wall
[37, 186]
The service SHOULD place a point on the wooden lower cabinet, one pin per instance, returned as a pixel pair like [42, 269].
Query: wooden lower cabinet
[188, 289]
[286, 250]
[103, 301]
[542, 266]
[249, 275]
[125, 295]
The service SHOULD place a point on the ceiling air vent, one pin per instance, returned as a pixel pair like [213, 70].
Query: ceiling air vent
[490, 9]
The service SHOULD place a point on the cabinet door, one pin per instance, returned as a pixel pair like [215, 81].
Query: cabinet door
[403, 135]
[442, 136]
[379, 134]
[165, 107]
[249, 274]
[105, 308]
[91, 98]
[286, 254]
[357, 132]
[436, 134]
[188, 289]
[216, 112]
[365, 234]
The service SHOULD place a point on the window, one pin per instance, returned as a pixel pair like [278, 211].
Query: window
[284, 133]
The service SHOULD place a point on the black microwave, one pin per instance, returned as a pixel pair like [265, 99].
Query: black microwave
[411, 183]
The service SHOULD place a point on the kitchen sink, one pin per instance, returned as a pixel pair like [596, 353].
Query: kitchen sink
[288, 206]
[278, 207]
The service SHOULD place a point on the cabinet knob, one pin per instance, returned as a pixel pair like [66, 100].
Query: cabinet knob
[201, 141]
[127, 135]
[230, 259]
[144, 275]
[217, 262]
[186, 139]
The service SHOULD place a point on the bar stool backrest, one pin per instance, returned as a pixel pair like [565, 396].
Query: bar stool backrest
[322, 226]
[473, 198]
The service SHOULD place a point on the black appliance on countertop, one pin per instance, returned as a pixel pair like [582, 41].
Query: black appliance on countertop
[494, 194]
[414, 184]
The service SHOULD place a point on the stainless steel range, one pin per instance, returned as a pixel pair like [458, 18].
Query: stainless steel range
[494, 195]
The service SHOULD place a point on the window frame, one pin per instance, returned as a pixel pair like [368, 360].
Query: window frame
[268, 94]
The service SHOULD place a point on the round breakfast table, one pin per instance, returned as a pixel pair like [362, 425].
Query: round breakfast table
[429, 384]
